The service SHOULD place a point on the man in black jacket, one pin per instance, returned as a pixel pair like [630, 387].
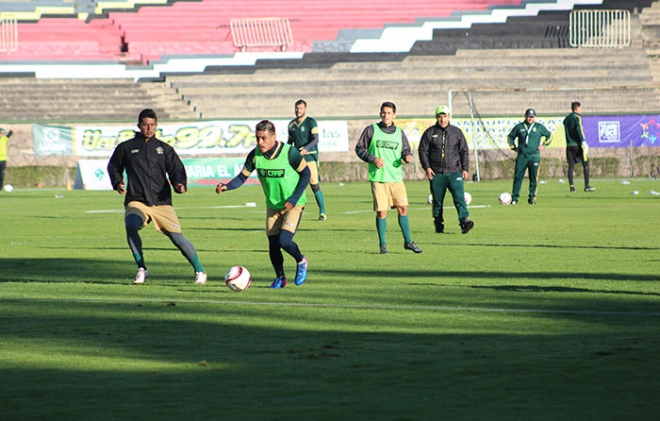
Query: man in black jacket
[149, 162]
[444, 155]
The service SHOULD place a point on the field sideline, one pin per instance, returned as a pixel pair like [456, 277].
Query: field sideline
[540, 312]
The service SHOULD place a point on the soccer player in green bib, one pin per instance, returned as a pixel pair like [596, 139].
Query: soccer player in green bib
[385, 147]
[284, 176]
[304, 136]
[528, 138]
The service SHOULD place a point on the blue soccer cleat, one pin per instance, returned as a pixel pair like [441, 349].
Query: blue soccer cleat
[279, 283]
[301, 272]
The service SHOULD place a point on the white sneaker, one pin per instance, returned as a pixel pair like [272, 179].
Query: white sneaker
[142, 274]
[200, 278]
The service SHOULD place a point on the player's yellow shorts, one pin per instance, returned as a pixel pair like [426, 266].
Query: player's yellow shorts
[163, 216]
[278, 220]
[314, 170]
[388, 195]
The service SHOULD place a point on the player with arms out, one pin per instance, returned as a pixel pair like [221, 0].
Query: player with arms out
[150, 166]
[385, 148]
[284, 176]
[304, 136]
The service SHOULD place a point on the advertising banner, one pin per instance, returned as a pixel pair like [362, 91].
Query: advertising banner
[92, 174]
[202, 138]
[52, 140]
[622, 131]
[484, 133]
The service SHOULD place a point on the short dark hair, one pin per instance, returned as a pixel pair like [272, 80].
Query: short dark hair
[147, 113]
[575, 105]
[301, 101]
[388, 104]
[265, 126]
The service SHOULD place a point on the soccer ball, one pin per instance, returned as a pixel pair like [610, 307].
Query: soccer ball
[238, 278]
[468, 198]
[8, 188]
[505, 198]
[429, 199]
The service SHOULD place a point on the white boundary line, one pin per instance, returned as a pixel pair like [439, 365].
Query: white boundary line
[348, 306]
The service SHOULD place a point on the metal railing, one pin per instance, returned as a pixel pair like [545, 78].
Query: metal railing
[261, 32]
[8, 34]
[600, 28]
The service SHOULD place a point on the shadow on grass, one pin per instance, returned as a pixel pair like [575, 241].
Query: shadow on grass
[73, 360]
[69, 269]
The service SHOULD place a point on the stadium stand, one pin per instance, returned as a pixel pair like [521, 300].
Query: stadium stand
[418, 83]
[341, 83]
[29, 100]
[203, 27]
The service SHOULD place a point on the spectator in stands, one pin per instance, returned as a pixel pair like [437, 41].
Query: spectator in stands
[304, 136]
[4, 138]
[526, 139]
[444, 155]
[284, 176]
[385, 147]
[576, 145]
[151, 165]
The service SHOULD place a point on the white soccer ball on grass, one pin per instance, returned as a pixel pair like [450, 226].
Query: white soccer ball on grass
[468, 198]
[238, 278]
[8, 188]
[505, 198]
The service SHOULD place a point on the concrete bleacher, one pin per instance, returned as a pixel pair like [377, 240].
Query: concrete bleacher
[69, 100]
[419, 83]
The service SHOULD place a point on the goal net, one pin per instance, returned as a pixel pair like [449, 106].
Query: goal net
[487, 115]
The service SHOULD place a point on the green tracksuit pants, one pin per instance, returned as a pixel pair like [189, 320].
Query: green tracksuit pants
[529, 164]
[439, 185]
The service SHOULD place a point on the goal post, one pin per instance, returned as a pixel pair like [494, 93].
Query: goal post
[486, 115]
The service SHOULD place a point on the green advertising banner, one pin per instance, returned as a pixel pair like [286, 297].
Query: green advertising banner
[92, 174]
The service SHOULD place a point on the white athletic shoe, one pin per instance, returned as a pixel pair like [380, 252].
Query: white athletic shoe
[142, 274]
[200, 278]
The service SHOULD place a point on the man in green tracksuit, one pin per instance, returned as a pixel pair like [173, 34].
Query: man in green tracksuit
[576, 145]
[528, 135]
[444, 155]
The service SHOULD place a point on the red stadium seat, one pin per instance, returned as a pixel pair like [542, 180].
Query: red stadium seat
[203, 27]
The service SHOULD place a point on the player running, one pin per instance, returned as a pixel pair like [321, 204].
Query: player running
[284, 176]
[151, 165]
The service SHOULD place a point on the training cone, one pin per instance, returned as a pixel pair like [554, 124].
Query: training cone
[68, 184]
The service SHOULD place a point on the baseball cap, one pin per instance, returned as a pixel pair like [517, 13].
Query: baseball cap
[442, 109]
[530, 112]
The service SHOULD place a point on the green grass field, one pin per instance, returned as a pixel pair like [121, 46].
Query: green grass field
[540, 312]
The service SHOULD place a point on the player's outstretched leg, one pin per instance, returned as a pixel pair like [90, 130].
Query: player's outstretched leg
[133, 224]
[188, 251]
